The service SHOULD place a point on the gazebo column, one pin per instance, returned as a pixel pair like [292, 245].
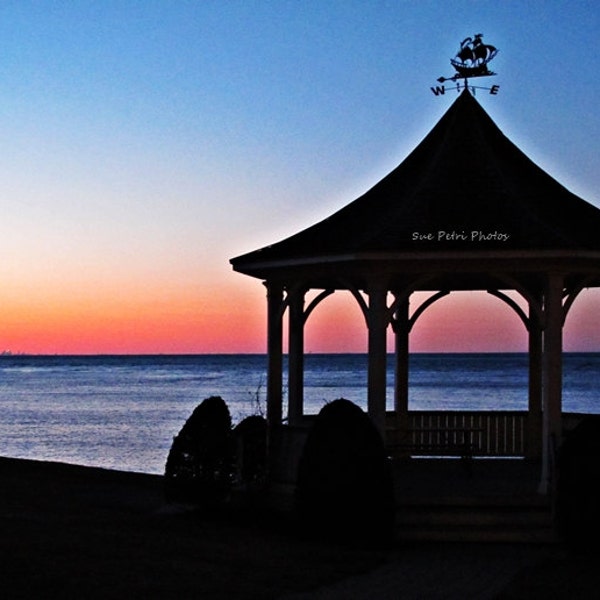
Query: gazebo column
[552, 379]
[533, 449]
[296, 357]
[275, 355]
[401, 336]
[378, 322]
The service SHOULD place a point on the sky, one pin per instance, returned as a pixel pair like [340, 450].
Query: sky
[146, 142]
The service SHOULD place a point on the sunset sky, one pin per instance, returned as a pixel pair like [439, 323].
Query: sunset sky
[145, 143]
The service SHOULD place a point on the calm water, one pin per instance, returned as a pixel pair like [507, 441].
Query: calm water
[122, 412]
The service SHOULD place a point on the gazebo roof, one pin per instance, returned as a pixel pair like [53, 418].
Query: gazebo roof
[466, 189]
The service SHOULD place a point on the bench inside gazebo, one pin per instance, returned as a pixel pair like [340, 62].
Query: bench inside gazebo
[466, 210]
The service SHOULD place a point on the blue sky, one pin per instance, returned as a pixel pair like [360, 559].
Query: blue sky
[147, 142]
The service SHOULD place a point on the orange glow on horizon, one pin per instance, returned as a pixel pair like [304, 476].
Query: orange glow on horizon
[159, 321]
[232, 319]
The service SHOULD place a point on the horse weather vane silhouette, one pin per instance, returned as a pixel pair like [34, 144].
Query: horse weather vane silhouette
[471, 60]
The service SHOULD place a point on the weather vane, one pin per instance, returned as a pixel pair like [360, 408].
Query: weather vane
[471, 60]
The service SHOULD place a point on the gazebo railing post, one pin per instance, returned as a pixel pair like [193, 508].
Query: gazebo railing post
[401, 329]
[533, 448]
[275, 309]
[275, 354]
[296, 357]
[377, 322]
[552, 380]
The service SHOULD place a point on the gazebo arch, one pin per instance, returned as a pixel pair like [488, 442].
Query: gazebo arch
[466, 210]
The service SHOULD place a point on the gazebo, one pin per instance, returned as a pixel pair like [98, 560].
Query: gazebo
[466, 210]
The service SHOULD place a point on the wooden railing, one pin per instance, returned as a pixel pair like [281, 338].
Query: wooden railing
[486, 433]
[478, 433]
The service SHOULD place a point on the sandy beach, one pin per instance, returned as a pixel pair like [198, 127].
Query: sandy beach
[80, 532]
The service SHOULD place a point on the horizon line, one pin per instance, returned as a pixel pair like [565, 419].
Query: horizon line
[9, 354]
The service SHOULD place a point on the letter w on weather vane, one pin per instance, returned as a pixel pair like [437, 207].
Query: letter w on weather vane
[470, 61]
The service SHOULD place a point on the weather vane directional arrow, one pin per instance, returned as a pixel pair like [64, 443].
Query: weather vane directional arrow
[470, 61]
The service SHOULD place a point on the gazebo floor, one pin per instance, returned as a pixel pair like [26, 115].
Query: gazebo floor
[475, 500]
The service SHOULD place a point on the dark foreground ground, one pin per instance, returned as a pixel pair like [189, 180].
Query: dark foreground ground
[78, 532]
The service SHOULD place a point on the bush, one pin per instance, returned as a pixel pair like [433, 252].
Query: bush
[344, 486]
[199, 466]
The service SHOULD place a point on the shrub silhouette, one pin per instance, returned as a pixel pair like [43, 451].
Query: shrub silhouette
[578, 507]
[199, 465]
[344, 486]
[251, 450]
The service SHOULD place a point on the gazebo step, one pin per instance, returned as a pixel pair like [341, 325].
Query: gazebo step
[475, 523]
[530, 535]
[474, 502]
[462, 516]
